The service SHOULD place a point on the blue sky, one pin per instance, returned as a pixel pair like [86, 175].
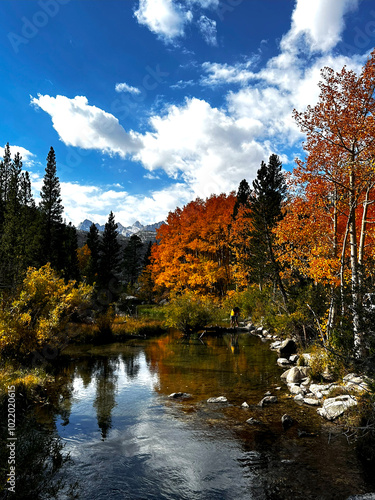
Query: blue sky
[152, 103]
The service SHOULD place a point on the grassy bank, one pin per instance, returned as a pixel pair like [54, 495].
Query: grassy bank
[25, 380]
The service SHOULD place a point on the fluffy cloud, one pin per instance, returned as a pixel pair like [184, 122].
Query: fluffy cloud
[318, 23]
[94, 203]
[207, 28]
[163, 17]
[204, 146]
[27, 156]
[124, 87]
[88, 127]
[169, 18]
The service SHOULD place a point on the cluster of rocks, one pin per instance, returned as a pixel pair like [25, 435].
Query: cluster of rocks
[301, 386]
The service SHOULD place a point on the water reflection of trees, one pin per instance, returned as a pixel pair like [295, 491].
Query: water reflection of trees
[40, 449]
[105, 400]
[215, 367]
[102, 371]
[40, 457]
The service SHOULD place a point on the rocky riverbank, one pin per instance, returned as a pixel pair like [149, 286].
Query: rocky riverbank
[297, 377]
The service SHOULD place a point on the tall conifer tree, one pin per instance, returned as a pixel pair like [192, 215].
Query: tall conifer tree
[109, 262]
[93, 243]
[132, 262]
[5, 169]
[269, 191]
[51, 210]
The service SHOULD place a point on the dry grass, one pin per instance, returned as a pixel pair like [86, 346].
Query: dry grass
[25, 380]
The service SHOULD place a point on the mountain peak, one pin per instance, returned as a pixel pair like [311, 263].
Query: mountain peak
[124, 230]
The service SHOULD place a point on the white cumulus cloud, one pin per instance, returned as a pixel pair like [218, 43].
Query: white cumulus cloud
[163, 17]
[27, 156]
[124, 87]
[318, 23]
[89, 127]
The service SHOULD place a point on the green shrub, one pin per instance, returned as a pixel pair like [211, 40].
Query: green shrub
[190, 313]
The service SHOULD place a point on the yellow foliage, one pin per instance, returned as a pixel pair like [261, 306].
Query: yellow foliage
[41, 311]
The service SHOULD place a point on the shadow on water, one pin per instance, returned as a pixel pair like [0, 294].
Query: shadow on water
[110, 430]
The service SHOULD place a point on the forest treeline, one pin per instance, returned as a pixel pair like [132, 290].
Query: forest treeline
[295, 251]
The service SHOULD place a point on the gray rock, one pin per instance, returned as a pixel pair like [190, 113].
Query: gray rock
[286, 421]
[267, 400]
[293, 358]
[276, 345]
[295, 389]
[307, 358]
[253, 421]
[287, 348]
[334, 407]
[353, 381]
[179, 395]
[306, 382]
[299, 398]
[244, 405]
[319, 388]
[285, 374]
[283, 361]
[297, 374]
[311, 402]
[219, 399]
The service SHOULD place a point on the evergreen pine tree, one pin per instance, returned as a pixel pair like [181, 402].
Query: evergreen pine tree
[145, 279]
[11, 255]
[5, 169]
[132, 261]
[30, 228]
[109, 260]
[243, 196]
[69, 259]
[51, 210]
[269, 191]
[92, 242]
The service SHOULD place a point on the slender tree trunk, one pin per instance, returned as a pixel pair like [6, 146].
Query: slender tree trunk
[354, 264]
[362, 239]
[333, 305]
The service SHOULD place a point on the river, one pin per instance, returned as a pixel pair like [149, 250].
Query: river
[126, 439]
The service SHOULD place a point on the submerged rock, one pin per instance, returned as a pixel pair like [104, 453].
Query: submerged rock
[219, 399]
[179, 395]
[287, 421]
[244, 405]
[253, 421]
[267, 400]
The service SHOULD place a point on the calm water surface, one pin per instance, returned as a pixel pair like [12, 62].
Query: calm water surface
[128, 440]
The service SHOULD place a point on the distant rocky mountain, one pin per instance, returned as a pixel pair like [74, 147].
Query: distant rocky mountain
[127, 231]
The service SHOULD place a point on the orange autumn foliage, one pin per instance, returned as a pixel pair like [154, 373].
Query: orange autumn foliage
[193, 249]
[327, 232]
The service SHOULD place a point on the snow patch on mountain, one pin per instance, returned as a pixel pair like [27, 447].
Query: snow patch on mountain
[137, 227]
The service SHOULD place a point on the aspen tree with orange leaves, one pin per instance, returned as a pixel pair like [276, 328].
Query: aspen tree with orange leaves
[193, 250]
[327, 228]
